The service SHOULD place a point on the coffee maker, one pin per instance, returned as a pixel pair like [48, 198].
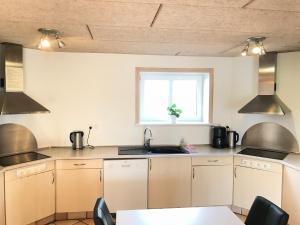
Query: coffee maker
[219, 138]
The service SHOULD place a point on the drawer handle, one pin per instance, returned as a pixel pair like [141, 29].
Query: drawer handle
[215, 160]
[79, 164]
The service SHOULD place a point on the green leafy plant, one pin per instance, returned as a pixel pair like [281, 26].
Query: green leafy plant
[174, 111]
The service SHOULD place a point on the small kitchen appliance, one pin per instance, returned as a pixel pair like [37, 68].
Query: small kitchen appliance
[233, 138]
[219, 138]
[76, 138]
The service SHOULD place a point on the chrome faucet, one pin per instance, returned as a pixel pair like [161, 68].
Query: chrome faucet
[147, 140]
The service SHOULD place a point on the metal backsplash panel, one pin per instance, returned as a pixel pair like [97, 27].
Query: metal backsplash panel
[271, 136]
[15, 138]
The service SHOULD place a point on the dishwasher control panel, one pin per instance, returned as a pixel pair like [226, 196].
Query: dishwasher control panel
[256, 164]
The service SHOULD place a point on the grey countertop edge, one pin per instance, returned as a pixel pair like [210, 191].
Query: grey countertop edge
[111, 152]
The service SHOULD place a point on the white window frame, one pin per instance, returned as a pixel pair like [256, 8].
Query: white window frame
[179, 73]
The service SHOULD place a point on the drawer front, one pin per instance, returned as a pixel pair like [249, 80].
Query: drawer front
[212, 161]
[79, 164]
[28, 171]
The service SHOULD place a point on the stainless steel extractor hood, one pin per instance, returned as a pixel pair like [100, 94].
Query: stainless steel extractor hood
[12, 98]
[266, 102]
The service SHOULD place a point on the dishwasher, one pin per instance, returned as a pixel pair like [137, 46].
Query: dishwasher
[254, 177]
[125, 184]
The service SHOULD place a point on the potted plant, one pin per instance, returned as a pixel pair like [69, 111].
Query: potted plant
[174, 112]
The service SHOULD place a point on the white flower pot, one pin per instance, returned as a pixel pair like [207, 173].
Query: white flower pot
[173, 119]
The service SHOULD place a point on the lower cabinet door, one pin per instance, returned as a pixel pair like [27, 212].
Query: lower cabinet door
[212, 185]
[19, 201]
[169, 182]
[249, 183]
[78, 189]
[2, 205]
[291, 194]
[29, 199]
[45, 194]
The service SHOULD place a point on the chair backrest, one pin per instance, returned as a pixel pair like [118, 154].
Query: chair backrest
[102, 215]
[264, 212]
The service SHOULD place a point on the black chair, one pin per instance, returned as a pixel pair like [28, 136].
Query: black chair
[102, 215]
[264, 212]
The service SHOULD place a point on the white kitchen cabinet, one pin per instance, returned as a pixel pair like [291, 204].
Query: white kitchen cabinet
[29, 193]
[256, 178]
[291, 194]
[169, 182]
[79, 184]
[125, 184]
[212, 181]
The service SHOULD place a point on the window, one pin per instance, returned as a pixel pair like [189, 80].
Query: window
[189, 89]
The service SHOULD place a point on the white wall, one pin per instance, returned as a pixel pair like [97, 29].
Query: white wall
[83, 89]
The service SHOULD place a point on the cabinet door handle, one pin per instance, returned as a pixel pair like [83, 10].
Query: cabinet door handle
[193, 172]
[150, 164]
[79, 164]
[53, 177]
[234, 172]
[100, 175]
[214, 160]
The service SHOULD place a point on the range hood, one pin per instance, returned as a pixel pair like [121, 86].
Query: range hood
[266, 102]
[12, 98]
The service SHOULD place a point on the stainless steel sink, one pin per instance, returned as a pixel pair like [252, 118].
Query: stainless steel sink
[141, 150]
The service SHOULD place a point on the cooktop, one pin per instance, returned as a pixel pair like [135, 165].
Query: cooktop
[21, 158]
[263, 153]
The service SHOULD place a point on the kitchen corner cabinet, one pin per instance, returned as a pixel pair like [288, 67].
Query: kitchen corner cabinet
[169, 182]
[212, 181]
[29, 193]
[79, 184]
[291, 194]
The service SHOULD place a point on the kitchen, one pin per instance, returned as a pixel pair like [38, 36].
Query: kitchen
[83, 87]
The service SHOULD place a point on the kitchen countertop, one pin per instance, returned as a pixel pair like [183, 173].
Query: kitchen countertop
[56, 153]
[112, 152]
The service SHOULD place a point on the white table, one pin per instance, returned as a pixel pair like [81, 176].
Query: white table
[179, 216]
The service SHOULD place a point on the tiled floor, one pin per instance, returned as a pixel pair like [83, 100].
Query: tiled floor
[242, 218]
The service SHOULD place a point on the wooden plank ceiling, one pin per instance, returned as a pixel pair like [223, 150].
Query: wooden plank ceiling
[163, 27]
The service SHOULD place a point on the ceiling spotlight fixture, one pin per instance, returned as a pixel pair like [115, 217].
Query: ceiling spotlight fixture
[47, 35]
[60, 43]
[255, 44]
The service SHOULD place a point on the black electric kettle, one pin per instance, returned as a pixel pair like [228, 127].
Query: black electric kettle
[76, 138]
